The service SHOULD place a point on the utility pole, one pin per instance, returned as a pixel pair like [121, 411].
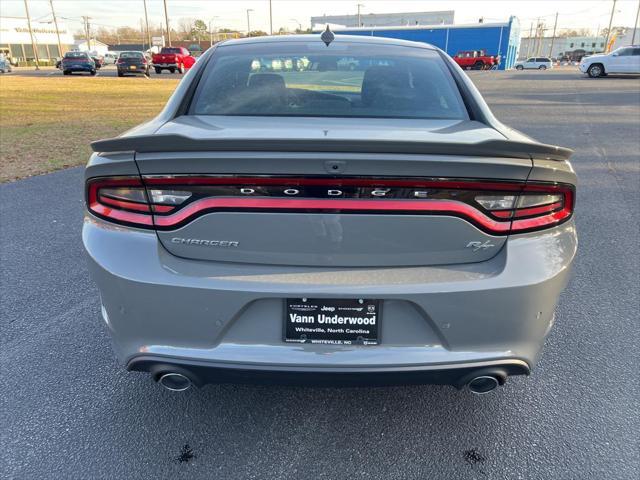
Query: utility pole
[118, 35]
[166, 20]
[540, 36]
[248, 22]
[87, 34]
[530, 39]
[359, 17]
[55, 22]
[33, 41]
[635, 26]
[146, 20]
[606, 42]
[553, 38]
[270, 19]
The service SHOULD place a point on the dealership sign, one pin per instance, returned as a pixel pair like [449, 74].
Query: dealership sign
[15, 31]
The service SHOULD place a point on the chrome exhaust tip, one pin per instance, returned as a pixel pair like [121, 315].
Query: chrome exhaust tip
[176, 382]
[483, 384]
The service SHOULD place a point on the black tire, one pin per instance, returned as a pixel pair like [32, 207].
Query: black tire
[478, 66]
[179, 70]
[172, 70]
[120, 74]
[519, 67]
[66, 72]
[158, 70]
[596, 70]
[542, 67]
[93, 73]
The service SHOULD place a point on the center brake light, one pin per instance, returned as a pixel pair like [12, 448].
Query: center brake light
[167, 202]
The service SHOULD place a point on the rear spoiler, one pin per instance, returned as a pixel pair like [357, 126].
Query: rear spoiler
[181, 143]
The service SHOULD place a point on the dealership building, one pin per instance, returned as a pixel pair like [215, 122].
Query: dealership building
[15, 40]
[501, 38]
[386, 19]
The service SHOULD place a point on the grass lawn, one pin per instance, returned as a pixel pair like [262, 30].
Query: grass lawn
[47, 123]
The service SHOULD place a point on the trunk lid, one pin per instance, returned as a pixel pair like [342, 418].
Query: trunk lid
[288, 204]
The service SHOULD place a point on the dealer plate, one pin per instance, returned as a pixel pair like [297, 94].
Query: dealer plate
[332, 321]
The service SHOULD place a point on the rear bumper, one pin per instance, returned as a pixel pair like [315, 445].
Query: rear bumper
[88, 68]
[165, 65]
[203, 372]
[225, 320]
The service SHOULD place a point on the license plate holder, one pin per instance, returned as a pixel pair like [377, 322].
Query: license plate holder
[332, 321]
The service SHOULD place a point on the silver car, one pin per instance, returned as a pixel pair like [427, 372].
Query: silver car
[287, 220]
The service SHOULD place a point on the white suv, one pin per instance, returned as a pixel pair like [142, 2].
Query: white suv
[536, 63]
[622, 60]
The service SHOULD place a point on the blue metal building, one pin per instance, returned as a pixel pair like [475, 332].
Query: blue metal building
[495, 38]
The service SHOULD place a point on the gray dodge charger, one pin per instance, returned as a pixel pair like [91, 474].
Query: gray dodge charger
[333, 210]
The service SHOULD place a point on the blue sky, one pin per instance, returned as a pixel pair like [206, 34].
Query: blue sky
[232, 13]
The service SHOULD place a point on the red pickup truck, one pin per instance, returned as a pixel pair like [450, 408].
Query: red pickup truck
[475, 59]
[169, 58]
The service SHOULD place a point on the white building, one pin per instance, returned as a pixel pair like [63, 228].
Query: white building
[15, 40]
[567, 46]
[92, 46]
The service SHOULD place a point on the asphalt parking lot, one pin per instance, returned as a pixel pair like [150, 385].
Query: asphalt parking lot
[108, 71]
[70, 411]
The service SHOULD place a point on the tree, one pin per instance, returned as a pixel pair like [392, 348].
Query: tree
[199, 30]
[257, 33]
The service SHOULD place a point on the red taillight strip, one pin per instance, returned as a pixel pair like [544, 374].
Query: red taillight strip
[121, 215]
[140, 207]
[526, 212]
[333, 205]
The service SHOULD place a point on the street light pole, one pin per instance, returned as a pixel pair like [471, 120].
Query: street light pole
[33, 42]
[248, 21]
[55, 22]
[211, 31]
[359, 18]
[166, 21]
[270, 19]
[606, 42]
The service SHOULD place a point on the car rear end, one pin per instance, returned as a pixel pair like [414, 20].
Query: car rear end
[132, 63]
[77, 63]
[256, 237]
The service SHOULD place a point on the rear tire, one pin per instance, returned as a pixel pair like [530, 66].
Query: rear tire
[542, 67]
[120, 74]
[158, 70]
[93, 73]
[179, 70]
[478, 66]
[66, 72]
[172, 70]
[596, 70]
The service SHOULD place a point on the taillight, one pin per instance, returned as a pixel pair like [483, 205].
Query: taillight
[168, 202]
[536, 206]
[120, 200]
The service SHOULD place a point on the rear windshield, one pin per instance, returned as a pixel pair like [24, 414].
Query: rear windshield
[170, 50]
[131, 55]
[342, 80]
[76, 55]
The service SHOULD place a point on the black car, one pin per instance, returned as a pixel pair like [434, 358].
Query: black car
[132, 62]
[77, 62]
